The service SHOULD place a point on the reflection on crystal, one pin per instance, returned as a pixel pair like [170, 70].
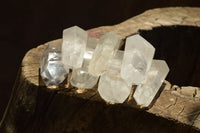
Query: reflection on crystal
[137, 59]
[139, 62]
[105, 50]
[52, 70]
[112, 87]
[146, 92]
[73, 47]
[91, 45]
[80, 77]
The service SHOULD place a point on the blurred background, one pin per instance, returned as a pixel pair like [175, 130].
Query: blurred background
[26, 24]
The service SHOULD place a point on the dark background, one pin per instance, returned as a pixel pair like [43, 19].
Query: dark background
[25, 24]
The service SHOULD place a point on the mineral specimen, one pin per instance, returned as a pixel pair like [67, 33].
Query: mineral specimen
[80, 77]
[118, 70]
[137, 59]
[146, 92]
[111, 86]
[73, 47]
[105, 50]
[51, 68]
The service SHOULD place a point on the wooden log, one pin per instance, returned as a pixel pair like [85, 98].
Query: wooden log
[33, 108]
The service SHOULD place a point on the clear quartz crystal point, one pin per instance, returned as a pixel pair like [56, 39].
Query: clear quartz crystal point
[80, 77]
[52, 69]
[146, 92]
[105, 50]
[73, 47]
[137, 59]
[112, 87]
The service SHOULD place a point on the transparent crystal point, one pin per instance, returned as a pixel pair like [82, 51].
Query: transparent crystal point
[105, 50]
[146, 92]
[137, 59]
[52, 69]
[81, 78]
[112, 87]
[73, 47]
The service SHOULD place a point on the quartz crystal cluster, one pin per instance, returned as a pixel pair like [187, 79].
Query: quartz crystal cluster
[117, 71]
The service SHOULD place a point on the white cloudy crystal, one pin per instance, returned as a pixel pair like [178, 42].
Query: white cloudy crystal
[73, 47]
[80, 77]
[146, 92]
[112, 87]
[137, 59]
[105, 50]
[52, 69]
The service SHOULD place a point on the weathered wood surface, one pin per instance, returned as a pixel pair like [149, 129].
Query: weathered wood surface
[33, 108]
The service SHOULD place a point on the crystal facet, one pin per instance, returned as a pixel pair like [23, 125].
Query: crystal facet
[146, 92]
[73, 47]
[112, 87]
[137, 59]
[52, 69]
[105, 50]
[80, 77]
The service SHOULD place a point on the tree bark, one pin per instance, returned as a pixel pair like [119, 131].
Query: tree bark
[34, 108]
